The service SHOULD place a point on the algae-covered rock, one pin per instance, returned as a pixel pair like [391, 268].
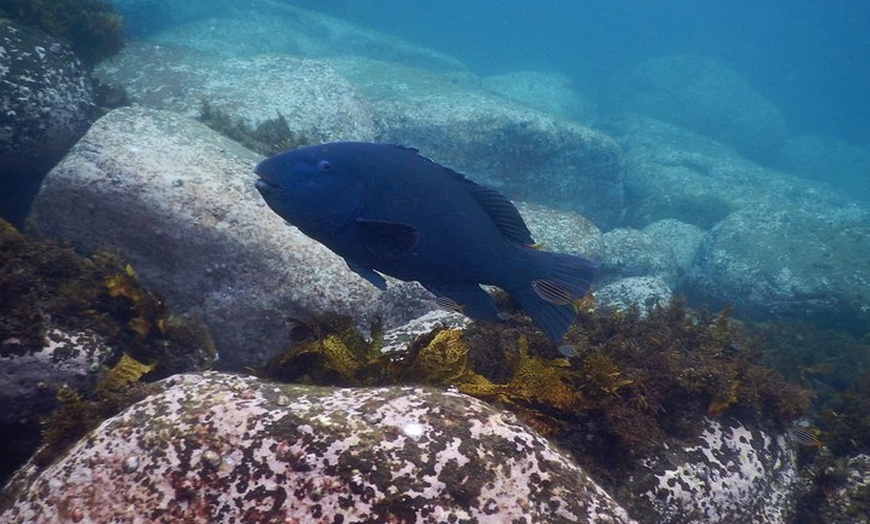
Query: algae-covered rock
[63, 317]
[224, 448]
[45, 106]
[728, 473]
[789, 263]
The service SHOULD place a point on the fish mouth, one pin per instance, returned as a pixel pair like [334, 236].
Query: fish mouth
[263, 183]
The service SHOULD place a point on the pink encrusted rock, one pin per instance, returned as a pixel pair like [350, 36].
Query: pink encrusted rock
[225, 448]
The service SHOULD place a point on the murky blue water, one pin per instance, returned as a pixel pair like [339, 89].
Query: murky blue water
[810, 57]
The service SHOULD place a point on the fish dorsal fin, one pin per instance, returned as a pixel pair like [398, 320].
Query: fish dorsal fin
[500, 210]
[387, 239]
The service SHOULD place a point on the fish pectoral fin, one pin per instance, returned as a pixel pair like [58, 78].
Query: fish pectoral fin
[376, 279]
[387, 239]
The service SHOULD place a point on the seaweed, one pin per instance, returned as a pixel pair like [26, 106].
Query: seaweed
[628, 382]
[834, 364]
[46, 285]
[268, 137]
[118, 388]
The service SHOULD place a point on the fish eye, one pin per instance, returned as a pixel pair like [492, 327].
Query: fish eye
[324, 166]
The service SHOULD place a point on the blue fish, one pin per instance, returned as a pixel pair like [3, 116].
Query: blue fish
[388, 210]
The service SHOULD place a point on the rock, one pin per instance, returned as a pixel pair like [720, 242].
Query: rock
[399, 338]
[547, 91]
[789, 262]
[673, 173]
[30, 382]
[633, 253]
[31, 379]
[841, 164]
[178, 201]
[528, 155]
[234, 29]
[317, 103]
[644, 293]
[705, 95]
[683, 239]
[845, 501]
[562, 231]
[225, 448]
[729, 473]
[45, 106]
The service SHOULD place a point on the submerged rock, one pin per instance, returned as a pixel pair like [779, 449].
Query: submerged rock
[705, 95]
[317, 104]
[729, 473]
[789, 263]
[237, 29]
[225, 448]
[549, 91]
[644, 293]
[674, 173]
[45, 106]
[634, 253]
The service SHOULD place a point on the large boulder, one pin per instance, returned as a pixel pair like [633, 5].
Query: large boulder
[178, 201]
[789, 262]
[238, 29]
[528, 154]
[45, 106]
[317, 104]
[548, 91]
[728, 473]
[225, 448]
[705, 95]
[674, 173]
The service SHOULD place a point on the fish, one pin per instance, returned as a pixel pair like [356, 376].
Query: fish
[805, 435]
[388, 210]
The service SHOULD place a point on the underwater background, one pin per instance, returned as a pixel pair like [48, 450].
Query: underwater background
[717, 152]
[808, 57]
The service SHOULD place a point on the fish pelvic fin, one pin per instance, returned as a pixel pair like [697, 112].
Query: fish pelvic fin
[550, 291]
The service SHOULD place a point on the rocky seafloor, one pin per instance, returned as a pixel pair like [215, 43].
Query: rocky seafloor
[631, 420]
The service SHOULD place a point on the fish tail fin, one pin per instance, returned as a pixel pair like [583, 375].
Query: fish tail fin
[558, 281]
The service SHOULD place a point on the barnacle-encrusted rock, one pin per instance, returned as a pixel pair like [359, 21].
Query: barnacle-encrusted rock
[729, 473]
[225, 448]
[29, 380]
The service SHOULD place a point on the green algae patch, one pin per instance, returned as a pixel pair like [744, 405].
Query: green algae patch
[269, 137]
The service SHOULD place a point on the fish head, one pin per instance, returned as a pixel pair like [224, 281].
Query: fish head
[312, 188]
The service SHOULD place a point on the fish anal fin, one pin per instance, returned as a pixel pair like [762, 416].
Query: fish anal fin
[376, 279]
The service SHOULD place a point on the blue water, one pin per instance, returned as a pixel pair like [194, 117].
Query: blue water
[811, 58]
